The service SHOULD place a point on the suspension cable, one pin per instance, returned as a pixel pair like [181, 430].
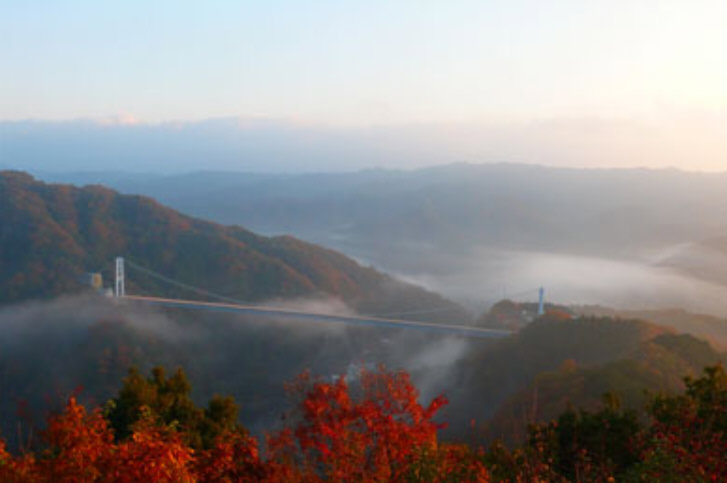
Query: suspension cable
[185, 286]
[224, 298]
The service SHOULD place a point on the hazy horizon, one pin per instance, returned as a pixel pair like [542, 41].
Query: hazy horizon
[301, 86]
[264, 145]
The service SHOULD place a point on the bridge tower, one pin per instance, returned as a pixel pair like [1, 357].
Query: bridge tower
[541, 301]
[119, 289]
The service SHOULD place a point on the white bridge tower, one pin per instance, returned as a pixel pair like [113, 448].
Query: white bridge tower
[541, 301]
[119, 289]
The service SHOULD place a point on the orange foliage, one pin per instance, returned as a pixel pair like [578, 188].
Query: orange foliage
[380, 433]
[234, 457]
[16, 469]
[80, 445]
[152, 454]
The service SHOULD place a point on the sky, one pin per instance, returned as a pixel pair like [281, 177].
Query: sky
[460, 69]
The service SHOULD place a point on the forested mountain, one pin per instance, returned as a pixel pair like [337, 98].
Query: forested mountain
[588, 211]
[513, 315]
[555, 362]
[55, 233]
[480, 232]
[712, 329]
[51, 234]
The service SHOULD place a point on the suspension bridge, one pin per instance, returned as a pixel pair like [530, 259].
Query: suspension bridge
[231, 305]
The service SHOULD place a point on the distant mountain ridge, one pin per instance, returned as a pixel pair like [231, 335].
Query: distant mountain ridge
[707, 327]
[520, 205]
[628, 238]
[625, 213]
[51, 234]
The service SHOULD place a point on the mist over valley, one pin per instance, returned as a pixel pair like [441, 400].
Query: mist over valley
[304, 242]
[626, 238]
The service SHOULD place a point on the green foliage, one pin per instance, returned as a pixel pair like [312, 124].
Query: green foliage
[578, 446]
[535, 375]
[683, 439]
[167, 400]
[689, 434]
[601, 442]
[710, 328]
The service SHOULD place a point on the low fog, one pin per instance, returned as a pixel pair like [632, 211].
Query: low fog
[482, 278]
[628, 238]
[49, 349]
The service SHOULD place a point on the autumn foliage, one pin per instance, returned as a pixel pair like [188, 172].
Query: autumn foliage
[376, 431]
[380, 434]
[684, 438]
[80, 447]
[689, 434]
[373, 429]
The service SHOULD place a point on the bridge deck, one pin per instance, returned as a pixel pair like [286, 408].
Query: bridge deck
[460, 330]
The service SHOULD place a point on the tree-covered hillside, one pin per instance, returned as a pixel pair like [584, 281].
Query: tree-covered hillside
[51, 234]
[710, 328]
[554, 362]
[371, 428]
[500, 385]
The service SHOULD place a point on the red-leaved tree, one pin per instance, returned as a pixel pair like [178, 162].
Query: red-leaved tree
[376, 431]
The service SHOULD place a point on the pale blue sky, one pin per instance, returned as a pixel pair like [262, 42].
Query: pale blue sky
[570, 82]
[361, 62]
